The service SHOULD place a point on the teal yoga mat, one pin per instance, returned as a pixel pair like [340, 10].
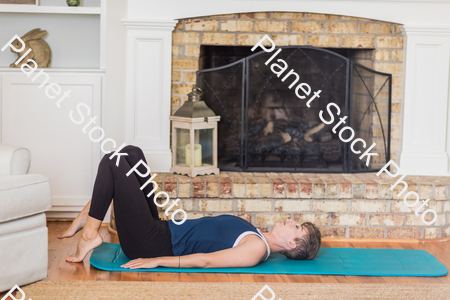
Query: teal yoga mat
[329, 261]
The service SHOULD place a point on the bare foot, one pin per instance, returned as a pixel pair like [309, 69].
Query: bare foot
[85, 244]
[76, 226]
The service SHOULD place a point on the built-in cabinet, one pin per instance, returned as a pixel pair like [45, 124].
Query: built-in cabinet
[60, 149]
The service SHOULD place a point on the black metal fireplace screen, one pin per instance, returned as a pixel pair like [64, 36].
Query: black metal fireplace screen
[265, 127]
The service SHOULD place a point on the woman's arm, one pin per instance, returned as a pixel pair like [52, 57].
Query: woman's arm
[247, 254]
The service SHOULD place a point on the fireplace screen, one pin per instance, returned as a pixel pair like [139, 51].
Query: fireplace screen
[265, 127]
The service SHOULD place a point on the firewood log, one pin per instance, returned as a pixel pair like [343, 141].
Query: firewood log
[331, 150]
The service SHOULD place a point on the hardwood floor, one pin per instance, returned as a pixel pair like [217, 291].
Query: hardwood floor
[59, 269]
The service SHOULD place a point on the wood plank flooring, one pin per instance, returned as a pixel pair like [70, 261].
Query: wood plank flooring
[59, 269]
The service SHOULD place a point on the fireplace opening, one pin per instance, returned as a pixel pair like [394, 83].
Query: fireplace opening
[265, 127]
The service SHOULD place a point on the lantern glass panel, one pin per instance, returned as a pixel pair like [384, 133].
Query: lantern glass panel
[204, 137]
[183, 138]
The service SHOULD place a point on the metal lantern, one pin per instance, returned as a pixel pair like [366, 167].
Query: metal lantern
[194, 137]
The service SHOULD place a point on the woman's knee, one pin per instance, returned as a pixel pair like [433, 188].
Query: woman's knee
[133, 151]
[106, 160]
[134, 155]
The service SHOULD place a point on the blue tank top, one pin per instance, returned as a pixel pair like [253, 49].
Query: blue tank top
[210, 234]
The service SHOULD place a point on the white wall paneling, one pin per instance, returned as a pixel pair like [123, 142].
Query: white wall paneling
[59, 148]
[426, 101]
[148, 88]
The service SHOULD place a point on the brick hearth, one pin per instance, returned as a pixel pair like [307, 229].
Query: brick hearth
[342, 205]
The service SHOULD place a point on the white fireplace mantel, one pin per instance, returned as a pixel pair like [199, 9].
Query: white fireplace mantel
[148, 84]
[426, 109]
[412, 12]
[425, 144]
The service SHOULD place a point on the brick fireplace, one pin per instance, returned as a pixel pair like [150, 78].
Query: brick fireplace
[379, 43]
[414, 50]
[342, 205]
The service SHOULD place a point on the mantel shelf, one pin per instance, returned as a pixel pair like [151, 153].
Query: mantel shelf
[21, 8]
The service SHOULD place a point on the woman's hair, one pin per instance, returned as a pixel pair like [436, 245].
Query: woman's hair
[308, 246]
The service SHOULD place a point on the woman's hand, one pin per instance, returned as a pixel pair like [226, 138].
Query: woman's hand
[141, 263]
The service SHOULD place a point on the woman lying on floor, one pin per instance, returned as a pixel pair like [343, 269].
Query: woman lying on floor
[209, 242]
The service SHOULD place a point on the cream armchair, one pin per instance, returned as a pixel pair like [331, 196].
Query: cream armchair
[23, 232]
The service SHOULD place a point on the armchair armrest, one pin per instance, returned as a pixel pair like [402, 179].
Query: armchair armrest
[14, 160]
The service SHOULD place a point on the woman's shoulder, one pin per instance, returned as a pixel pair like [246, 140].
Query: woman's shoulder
[252, 237]
[257, 244]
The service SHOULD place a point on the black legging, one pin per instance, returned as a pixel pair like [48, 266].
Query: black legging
[142, 234]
